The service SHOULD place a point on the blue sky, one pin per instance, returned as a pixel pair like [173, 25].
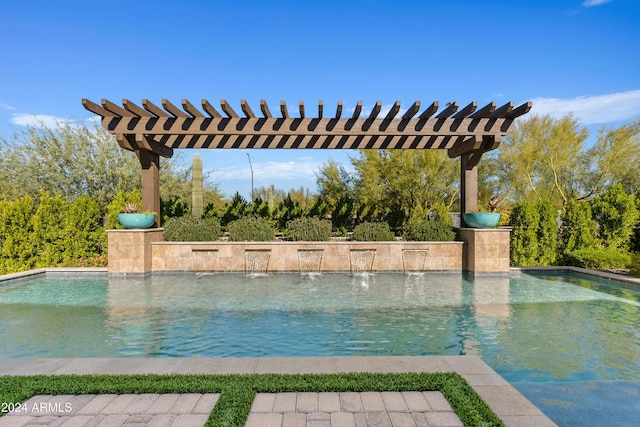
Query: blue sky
[564, 55]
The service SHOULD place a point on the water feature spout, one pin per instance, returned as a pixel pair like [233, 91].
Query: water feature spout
[204, 259]
[362, 259]
[414, 259]
[256, 260]
[309, 260]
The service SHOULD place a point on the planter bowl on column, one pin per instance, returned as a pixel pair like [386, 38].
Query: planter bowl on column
[136, 220]
[481, 219]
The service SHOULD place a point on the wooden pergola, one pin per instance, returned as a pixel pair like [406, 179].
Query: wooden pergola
[152, 131]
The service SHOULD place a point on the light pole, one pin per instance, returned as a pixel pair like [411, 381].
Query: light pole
[251, 167]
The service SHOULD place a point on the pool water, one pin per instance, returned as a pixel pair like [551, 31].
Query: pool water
[570, 343]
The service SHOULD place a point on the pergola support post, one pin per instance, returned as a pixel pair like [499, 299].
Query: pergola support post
[150, 175]
[468, 185]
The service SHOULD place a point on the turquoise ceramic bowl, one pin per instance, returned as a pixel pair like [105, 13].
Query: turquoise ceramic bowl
[136, 220]
[481, 219]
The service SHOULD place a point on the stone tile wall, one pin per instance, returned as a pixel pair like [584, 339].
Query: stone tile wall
[486, 250]
[130, 250]
[286, 256]
[144, 251]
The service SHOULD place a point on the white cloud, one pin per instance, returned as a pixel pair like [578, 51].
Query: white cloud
[6, 106]
[591, 3]
[301, 169]
[38, 120]
[592, 109]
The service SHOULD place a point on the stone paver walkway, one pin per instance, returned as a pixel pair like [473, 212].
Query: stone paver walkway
[111, 410]
[386, 409]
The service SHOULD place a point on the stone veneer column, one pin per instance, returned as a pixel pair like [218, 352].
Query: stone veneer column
[130, 250]
[486, 250]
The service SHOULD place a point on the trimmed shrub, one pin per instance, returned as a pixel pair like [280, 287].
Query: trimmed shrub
[250, 229]
[616, 214]
[578, 227]
[48, 230]
[85, 241]
[430, 231]
[51, 233]
[309, 229]
[547, 234]
[525, 219]
[191, 229]
[634, 266]
[598, 258]
[372, 232]
[17, 246]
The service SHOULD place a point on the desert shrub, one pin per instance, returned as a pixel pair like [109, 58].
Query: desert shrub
[173, 207]
[442, 213]
[598, 258]
[372, 232]
[235, 210]
[288, 209]
[434, 230]
[250, 229]
[309, 229]
[191, 229]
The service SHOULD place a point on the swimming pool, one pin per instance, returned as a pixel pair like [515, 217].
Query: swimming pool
[571, 344]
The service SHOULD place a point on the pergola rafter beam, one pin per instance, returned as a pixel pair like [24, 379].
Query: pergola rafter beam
[160, 130]
[133, 108]
[228, 110]
[191, 109]
[154, 109]
[265, 109]
[206, 106]
[172, 109]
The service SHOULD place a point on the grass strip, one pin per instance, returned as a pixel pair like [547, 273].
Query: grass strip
[238, 391]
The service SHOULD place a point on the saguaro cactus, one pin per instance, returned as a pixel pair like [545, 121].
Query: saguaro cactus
[197, 200]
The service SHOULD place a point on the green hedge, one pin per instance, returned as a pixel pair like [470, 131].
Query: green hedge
[372, 232]
[250, 229]
[309, 229]
[430, 231]
[50, 232]
[191, 229]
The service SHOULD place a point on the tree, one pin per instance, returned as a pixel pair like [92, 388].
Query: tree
[334, 183]
[68, 160]
[411, 181]
[615, 158]
[543, 159]
[391, 185]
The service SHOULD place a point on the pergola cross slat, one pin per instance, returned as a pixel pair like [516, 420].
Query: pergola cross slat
[152, 131]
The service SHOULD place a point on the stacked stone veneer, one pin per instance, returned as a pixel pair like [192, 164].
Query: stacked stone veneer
[144, 251]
